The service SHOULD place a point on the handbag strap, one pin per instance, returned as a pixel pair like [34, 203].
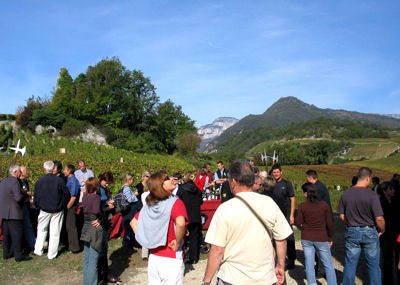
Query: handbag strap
[256, 214]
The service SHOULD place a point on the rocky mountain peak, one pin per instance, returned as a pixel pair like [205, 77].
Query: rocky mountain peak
[211, 131]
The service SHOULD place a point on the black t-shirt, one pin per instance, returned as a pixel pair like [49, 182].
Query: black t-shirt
[360, 206]
[282, 193]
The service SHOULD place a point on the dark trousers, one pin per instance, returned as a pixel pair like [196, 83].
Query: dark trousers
[390, 255]
[194, 239]
[291, 249]
[13, 232]
[73, 241]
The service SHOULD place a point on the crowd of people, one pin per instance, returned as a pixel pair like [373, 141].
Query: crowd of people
[250, 234]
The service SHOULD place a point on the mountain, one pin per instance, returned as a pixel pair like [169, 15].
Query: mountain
[289, 110]
[211, 131]
[396, 116]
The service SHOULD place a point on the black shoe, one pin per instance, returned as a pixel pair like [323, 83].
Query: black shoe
[24, 258]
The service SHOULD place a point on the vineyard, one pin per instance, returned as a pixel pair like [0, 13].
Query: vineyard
[101, 158]
[331, 175]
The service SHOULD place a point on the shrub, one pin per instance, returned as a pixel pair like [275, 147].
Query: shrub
[73, 128]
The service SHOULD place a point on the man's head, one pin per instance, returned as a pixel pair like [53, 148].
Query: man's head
[69, 170]
[220, 165]
[15, 171]
[276, 172]
[207, 166]
[48, 166]
[251, 163]
[258, 183]
[364, 176]
[241, 176]
[375, 180]
[311, 176]
[25, 173]
[82, 165]
[268, 184]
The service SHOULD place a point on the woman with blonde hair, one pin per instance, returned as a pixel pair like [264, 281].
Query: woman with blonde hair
[160, 226]
[134, 206]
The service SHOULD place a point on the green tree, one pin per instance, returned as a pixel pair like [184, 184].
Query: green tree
[64, 93]
[188, 142]
[25, 113]
[169, 122]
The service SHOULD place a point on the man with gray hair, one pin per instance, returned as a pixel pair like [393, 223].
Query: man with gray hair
[241, 234]
[11, 199]
[51, 197]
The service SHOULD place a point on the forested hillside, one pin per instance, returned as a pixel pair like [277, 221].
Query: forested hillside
[289, 110]
[318, 141]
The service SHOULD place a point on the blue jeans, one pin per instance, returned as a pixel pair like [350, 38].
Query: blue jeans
[324, 253]
[90, 265]
[356, 239]
[28, 230]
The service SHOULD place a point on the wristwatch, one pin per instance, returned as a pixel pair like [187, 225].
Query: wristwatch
[205, 283]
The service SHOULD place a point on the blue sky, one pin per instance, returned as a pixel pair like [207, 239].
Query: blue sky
[214, 58]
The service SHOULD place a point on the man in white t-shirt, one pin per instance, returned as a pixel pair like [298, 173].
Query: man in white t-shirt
[241, 247]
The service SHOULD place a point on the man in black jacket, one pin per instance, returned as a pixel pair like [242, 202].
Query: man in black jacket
[51, 197]
[11, 199]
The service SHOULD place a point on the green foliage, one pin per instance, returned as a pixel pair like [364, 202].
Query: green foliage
[188, 142]
[48, 117]
[64, 93]
[6, 136]
[73, 128]
[121, 102]
[24, 114]
[7, 117]
[169, 121]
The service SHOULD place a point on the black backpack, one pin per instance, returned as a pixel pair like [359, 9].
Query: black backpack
[120, 203]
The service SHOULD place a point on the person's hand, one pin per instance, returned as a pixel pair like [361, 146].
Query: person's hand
[280, 275]
[380, 233]
[173, 245]
[291, 220]
[330, 244]
[96, 223]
